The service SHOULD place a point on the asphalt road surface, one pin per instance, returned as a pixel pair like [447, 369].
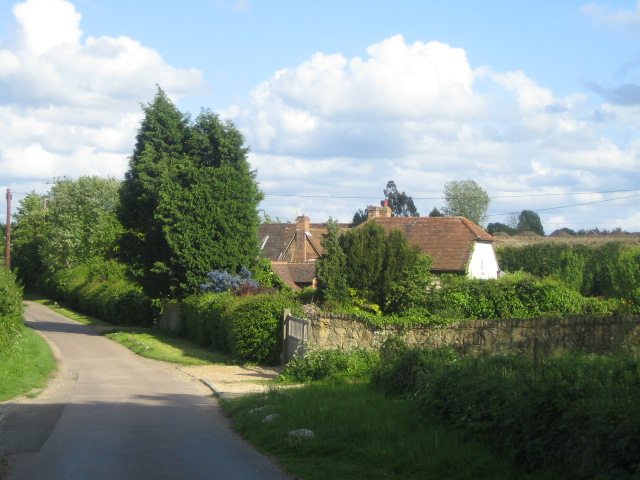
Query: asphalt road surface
[112, 415]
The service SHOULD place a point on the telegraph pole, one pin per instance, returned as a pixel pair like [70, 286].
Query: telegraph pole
[7, 255]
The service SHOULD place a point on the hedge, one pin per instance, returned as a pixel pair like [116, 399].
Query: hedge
[249, 327]
[514, 296]
[609, 270]
[204, 319]
[11, 310]
[102, 289]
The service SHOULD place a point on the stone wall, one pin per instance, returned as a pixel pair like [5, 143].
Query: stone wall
[531, 336]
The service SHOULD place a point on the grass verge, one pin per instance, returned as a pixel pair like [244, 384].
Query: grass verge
[361, 434]
[27, 366]
[62, 310]
[146, 342]
[163, 346]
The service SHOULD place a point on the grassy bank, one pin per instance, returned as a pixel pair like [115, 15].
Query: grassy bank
[361, 434]
[27, 367]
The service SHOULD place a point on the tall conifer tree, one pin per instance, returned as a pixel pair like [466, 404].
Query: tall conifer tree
[189, 200]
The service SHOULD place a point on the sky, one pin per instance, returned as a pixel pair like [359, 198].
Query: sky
[538, 102]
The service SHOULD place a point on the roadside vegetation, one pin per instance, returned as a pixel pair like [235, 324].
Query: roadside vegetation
[182, 227]
[412, 413]
[361, 433]
[163, 346]
[27, 367]
[26, 361]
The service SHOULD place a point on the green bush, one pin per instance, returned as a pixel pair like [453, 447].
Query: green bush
[255, 327]
[576, 414]
[403, 370]
[320, 364]
[204, 319]
[11, 309]
[517, 295]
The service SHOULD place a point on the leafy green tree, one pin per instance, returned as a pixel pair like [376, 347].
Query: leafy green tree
[31, 231]
[435, 213]
[331, 267]
[365, 250]
[376, 261]
[400, 203]
[83, 222]
[189, 200]
[529, 221]
[465, 198]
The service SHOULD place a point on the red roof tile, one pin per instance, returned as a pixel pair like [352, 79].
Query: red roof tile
[296, 275]
[448, 240]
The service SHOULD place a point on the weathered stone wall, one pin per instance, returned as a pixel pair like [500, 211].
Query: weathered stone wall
[531, 336]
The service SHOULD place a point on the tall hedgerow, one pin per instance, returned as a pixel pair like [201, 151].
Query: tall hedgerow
[608, 270]
[11, 310]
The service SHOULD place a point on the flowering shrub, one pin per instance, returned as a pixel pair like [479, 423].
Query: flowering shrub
[222, 281]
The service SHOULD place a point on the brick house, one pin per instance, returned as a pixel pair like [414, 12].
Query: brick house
[456, 245]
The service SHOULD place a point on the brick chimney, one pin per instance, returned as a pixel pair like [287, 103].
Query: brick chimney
[376, 212]
[303, 228]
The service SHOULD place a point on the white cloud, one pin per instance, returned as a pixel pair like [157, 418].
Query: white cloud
[422, 115]
[627, 21]
[71, 107]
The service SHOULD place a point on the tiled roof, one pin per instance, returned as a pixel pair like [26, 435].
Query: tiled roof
[278, 241]
[296, 275]
[448, 240]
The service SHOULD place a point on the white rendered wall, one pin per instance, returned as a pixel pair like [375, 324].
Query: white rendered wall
[483, 263]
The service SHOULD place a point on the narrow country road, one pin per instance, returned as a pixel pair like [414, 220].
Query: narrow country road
[115, 416]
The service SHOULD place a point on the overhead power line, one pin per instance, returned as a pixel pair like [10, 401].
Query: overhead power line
[569, 206]
[524, 195]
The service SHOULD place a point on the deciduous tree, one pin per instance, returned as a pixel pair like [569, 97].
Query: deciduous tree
[465, 198]
[529, 221]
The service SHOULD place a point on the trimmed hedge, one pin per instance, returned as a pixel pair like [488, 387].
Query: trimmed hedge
[102, 289]
[11, 310]
[609, 270]
[513, 296]
[249, 327]
[204, 319]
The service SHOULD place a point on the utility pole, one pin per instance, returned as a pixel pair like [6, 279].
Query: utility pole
[7, 255]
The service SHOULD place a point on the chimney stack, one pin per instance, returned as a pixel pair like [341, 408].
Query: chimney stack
[379, 212]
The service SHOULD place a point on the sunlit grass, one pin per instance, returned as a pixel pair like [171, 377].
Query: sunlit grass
[27, 366]
[63, 310]
[361, 434]
[163, 346]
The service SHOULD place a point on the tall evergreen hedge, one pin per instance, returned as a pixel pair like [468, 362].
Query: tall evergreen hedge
[609, 270]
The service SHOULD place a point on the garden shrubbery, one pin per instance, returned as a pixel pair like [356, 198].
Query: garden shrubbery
[321, 364]
[248, 327]
[576, 414]
[204, 319]
[11, 309]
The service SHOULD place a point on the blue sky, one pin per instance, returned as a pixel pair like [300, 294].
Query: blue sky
[539, 102]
